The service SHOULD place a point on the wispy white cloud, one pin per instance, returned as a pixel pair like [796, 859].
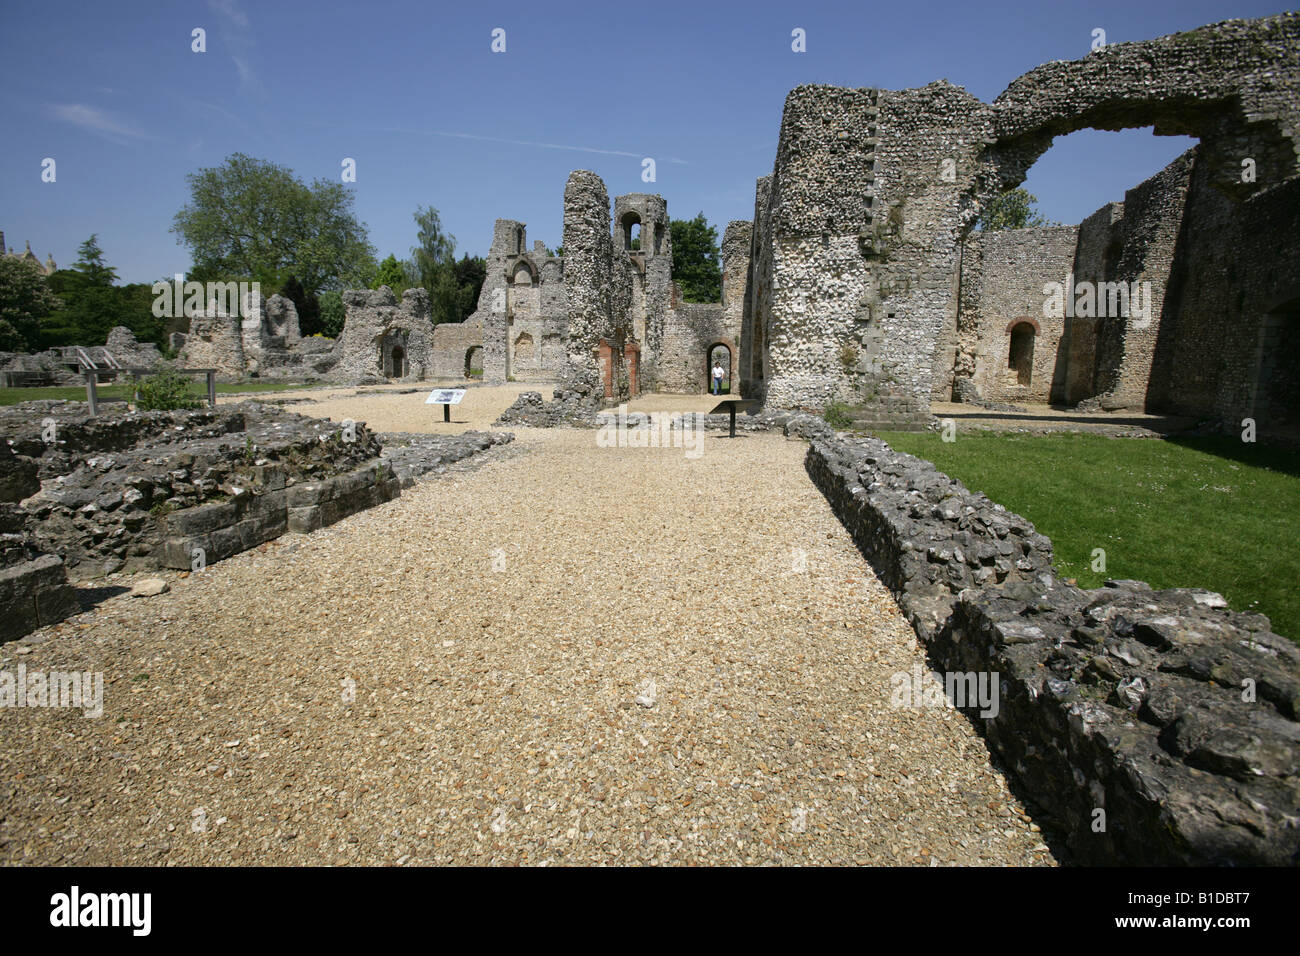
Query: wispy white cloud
[97, 121]
[510, 142]
[230, 10]
[236, 34]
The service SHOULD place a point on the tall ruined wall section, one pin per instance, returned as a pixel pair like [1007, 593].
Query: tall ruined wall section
[736, 241]
[652, 262]
[758, 297]
[872, 192]
[1142, 245]
[215, 341]
[1237, 276]
[598, 284]
[269, 328]
[1002, 278]
[491, 315]
[451, 345]
[866, 219]
[691, 329]
[537, 331]
[1093, 255]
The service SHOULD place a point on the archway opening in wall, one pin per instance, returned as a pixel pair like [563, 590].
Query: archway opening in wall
[398, 363]
[1020, 357]
[718, 356]
[474, 362]
[1080, 180]
[1084, 170]
[659, 238]
[630, 228]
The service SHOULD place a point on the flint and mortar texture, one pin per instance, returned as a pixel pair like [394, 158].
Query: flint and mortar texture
[134, 491]
[383, 340]
[1172, 715]
[858, 258]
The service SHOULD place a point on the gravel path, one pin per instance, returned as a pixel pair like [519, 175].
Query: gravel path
[567, 654]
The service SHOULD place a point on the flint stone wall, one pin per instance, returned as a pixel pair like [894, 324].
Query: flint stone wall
[34, 589]
[216, 341]
[144, 490]
[689, 331]
[1002, 278]
[1121, 699]
[375, 324]
[856, 264]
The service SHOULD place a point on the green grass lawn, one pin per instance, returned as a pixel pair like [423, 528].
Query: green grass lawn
[108, 392]
[1202, 512]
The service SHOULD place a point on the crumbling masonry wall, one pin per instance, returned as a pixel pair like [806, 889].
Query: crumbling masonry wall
[1122, 699]
[873, 191]
[1002, 277]
[384, 340]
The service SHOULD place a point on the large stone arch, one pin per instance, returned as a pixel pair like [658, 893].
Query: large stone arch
[1233, 85]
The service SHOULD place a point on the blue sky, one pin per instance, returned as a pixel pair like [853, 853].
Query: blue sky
[412, 92]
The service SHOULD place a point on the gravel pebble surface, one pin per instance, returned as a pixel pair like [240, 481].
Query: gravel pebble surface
[567, 654]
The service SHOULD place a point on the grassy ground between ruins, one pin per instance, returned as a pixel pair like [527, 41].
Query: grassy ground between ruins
[110, 392]
[1196, 512]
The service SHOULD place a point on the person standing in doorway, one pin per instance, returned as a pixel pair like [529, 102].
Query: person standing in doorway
[717, 377]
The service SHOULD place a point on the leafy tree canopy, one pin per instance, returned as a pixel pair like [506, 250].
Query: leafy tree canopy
[453, 285]
[25, 300]
[695, 259]
[90, 263]
[332, 313]
[392, 274]
[1012, 210]
[255, 219]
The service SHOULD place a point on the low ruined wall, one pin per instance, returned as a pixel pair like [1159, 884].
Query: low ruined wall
[1149, 727]
[34, 589]
[133, 491]
[213, 532]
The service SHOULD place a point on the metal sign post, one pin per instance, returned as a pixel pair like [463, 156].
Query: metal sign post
[446, 397]
[730, 405]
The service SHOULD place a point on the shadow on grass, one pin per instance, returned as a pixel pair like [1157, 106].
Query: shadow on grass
[1285, 461]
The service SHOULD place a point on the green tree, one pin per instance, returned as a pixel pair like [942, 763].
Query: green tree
[93, 305]
[436, 249]
[453, 285]
[90, 263]
[695, 259]
[332, 313]
[392, 274]
[254, 219]
[305, 303]
[470, 272]
[1012, 210]
[25, 300]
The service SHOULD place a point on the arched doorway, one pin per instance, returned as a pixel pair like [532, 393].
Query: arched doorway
[718, 355]
[392, 354]
[1020, 356]
[474, 362]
